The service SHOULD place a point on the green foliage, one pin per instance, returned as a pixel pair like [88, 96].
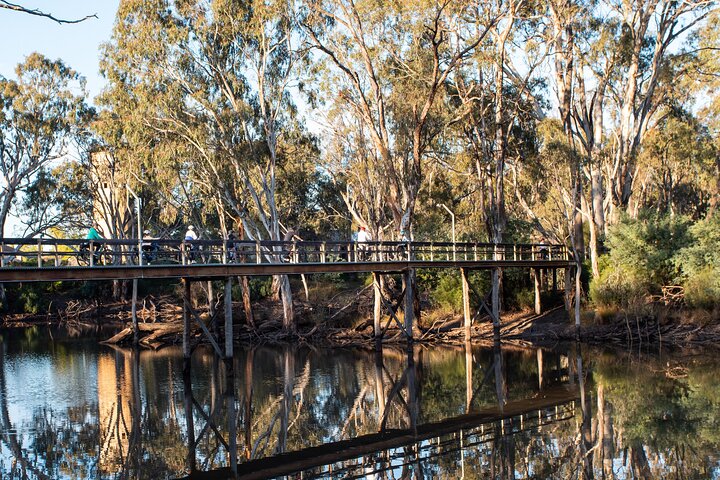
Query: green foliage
[33, 297]
[260, 287]
[641, 259]
[448, 292]
[618, 286]
[702, 290]
[654, 251]
[525, 299]
[446, 287]
[703, 248]
[700, 264]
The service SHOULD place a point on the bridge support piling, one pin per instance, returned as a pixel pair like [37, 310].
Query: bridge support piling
[377, 306]
[495, 276]
[134, 311]
[537, 287]
[409, 313]
[568, 288]
[228, 320]
[466, 302]
[186, 318]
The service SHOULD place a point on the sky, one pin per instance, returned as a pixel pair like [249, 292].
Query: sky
[76, 44]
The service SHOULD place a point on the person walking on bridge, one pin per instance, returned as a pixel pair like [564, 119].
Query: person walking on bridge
[363, 237]
[291, 236]
[191, 236]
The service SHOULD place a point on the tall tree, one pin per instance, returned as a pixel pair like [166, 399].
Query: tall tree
[41, 113]
[213, 80]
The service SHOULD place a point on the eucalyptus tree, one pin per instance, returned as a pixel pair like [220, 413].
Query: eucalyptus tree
[650, 31]
[705, 84]
[387, 65]
[41, 112]
[212, 84]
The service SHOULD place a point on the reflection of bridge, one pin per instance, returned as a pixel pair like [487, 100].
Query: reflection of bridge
[393, 448]
[551, 406]
[59, 260]
[239, 419]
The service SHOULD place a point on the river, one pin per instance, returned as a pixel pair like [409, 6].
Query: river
[72, 408]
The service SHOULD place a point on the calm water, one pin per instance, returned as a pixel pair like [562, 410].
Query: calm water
[70, 408]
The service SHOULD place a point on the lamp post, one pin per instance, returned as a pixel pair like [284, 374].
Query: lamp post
[452, 219]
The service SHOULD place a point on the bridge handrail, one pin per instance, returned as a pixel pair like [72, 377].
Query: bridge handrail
[208, 251]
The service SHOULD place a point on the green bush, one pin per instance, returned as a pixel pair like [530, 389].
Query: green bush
[702, 290]
[260, 287]
[703, 248]
[446, 288]
[525, 299]
[448, 292]
[645, 248]
[618, 287]
[641, 260]
[33, 297]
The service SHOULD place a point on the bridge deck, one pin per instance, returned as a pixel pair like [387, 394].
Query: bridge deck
[27, 260]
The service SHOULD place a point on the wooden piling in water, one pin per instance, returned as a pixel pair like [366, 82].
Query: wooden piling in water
[495, 276]
[409, 304]
[537, 284]
[186, 318]
[228, 319]
[134, 311]
[466, 302]
[377, 306]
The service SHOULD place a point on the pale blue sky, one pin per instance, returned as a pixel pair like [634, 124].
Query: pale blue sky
[76, 44]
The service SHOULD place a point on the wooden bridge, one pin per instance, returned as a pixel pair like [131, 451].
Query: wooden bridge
[40, 260]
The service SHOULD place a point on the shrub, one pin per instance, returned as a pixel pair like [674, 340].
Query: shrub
[447, 290]
[702, 290]
[618, 287]
[525, 299]
[645, 248]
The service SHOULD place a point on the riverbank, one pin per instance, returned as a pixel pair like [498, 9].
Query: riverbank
[160, 325]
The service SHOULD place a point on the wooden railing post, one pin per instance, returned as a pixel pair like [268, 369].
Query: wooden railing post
[2, 254]
[39, 253]
[183, 252]
[323, 254]
[92, 253]
[258, 252]
[57, 256]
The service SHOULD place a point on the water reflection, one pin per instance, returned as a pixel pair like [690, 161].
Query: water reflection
[73, 409]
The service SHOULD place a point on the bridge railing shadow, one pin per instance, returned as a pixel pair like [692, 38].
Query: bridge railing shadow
[56, 253]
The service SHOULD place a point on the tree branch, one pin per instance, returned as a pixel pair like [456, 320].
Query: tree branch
[37, 12]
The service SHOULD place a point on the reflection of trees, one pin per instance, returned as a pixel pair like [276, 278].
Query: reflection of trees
[636, 417]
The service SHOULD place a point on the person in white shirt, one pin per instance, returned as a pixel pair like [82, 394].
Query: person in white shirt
[190, 235]
[363, 237]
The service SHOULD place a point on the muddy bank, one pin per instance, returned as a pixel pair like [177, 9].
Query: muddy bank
[160, 324]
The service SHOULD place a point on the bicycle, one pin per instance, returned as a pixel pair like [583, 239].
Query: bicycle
[102, 256]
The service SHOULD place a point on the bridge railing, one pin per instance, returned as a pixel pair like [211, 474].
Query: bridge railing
[43, 253]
